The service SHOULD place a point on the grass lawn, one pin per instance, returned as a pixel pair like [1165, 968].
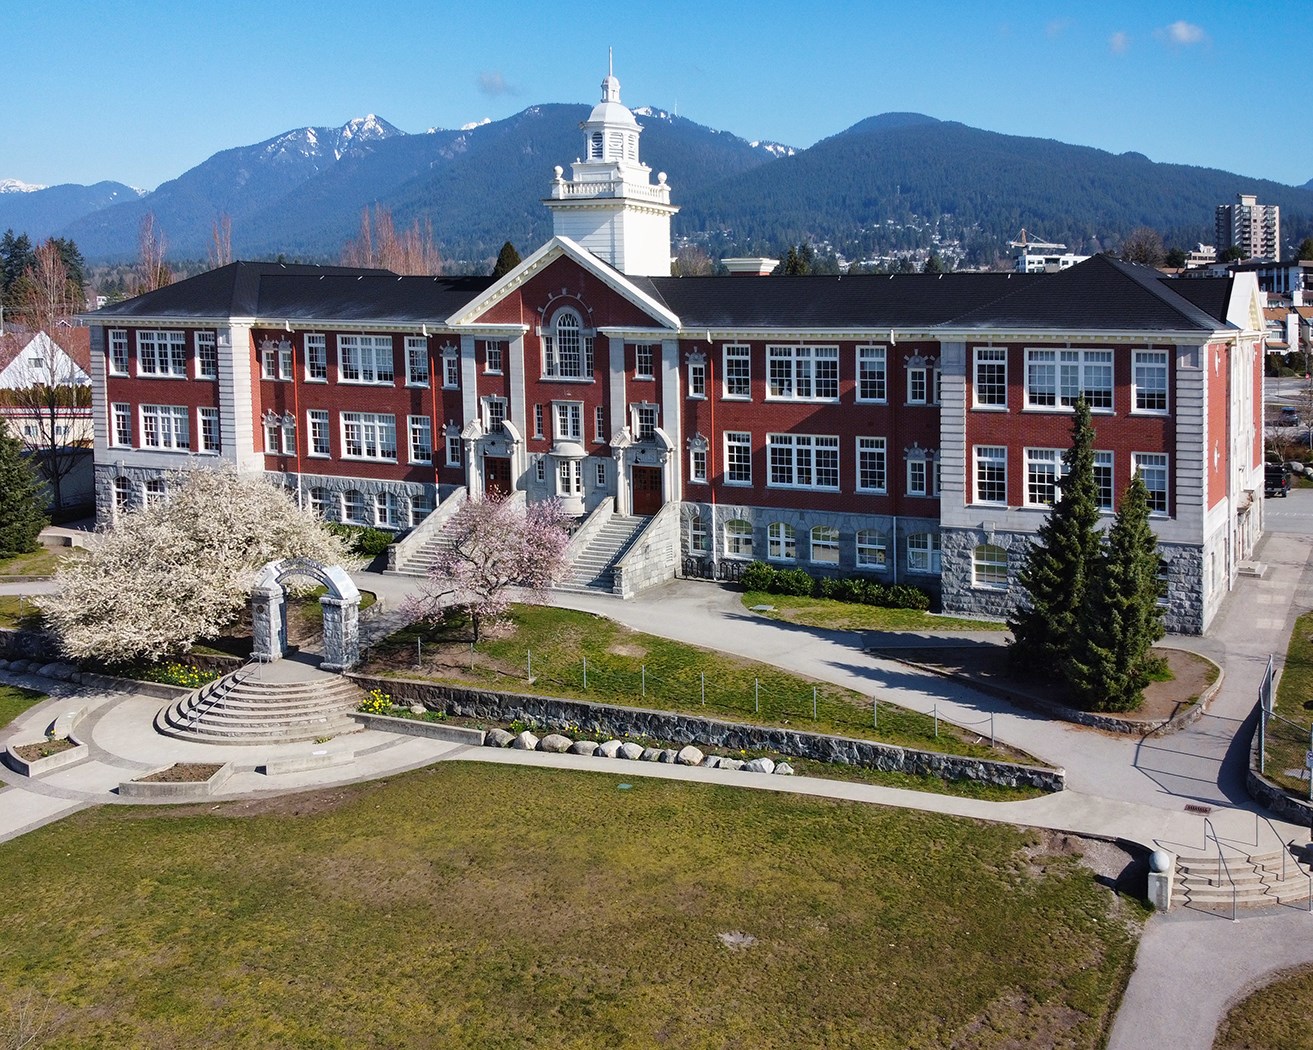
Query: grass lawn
[18, 611]
[42, 562]
[1273, 1016]
[1286, 744]
[846, 616]
[472, 906]
[641, 670]
[14, 700]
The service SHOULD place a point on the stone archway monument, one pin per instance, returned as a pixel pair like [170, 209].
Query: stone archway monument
[341, 605]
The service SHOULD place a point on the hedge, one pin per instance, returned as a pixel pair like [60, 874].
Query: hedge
[859, 590]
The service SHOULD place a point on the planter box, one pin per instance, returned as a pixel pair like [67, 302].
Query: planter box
[322, 759]
[36, 767]
[130, 685]
[414, 727]
[177, 790]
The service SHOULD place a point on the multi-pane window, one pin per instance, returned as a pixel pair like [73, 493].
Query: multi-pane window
[118, 352]
[825, 545]
[421, 439]
[207, 356]
[454, 449]
[803, 460]
[122, 494]
[538, 417]
[697, 378]
[643, 360]
[738, 371]
[279, 434]
[697, 464]
[316, 358]
[540, 468]
[568, 420]
[872, 465]
[922, 385]
[165, 426]
[599, 423]
[369, 435]
[569, 478]
[319, 439]
[738, 538]
[276, 360]
[493, 349]
[1059, 378]
[991, 474]
[923, 552]
[697, 534]
[601, 473]
[1152, 468]
[923, 476]
[645, 422]
[567, 351]
[421, 506]
[365, 358]
[990, 386]
[154, 492]
[121, 424]
[318, 501]
[208, 429]
[354, 510]
[494, 414]
[162, 354]
[738, 458]
[1103, 479]
[1043, 469]
[781, 542]
[989, 567]
[450, 368]
[1150, 374]
[872, 550]
[802, 373]
[871, 374]
[417, 361]
[387, 510]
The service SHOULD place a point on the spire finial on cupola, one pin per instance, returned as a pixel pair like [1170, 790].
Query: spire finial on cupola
[610, 86]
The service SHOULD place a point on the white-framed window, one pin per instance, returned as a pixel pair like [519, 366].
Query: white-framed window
[279, 434]
[872, 375]
[645, 421]
[540, 468]
[923, 383]
[697, 534]
[872, 465]
[162, 354]
[738, 371]
[316, 358]
[365, 359]
[989, 567]
[1150, 379]
[319, 439]
[121, 424]
[601, 474]
[1152, 468]
[354, 508]
[923, 552]
[154, 492]
[537, 421]
[207, 356]
[417, 361]
[802, 373]
[738, 538]
[923, 475]
[122, 494]
[118, 352]
[421, 506]
[1043, 469]
[494, 414]
[872, 550]
[567, 349]
[738, 458]
[1059, 378]
[319, 502]
[369, 435]
[599, 423]
[990, 379]
[421, 439]
[493, 352]
[165, 427]
[450, 368]
[276, 360]
[644, 355]
[387, 510]
[697, 377]
[567, 420]
[991, 474]
[207, 429]
[802, 461]
[453, 448]
[825, 545]
[697, 464]
[1103, 479]
[569, 477]
[781, 542]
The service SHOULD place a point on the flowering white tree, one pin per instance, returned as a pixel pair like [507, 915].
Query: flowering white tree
[180, 570]
[497, 552]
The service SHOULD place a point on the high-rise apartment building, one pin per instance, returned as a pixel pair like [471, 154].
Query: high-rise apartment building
[1252, 227]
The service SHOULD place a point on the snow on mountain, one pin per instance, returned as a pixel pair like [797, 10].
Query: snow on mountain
[15, 186]
[475, 124]
[775, 149]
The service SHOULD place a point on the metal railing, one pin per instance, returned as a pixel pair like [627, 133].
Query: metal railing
[1222, 866]
[221, 689]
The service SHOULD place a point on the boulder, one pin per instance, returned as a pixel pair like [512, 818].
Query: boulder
[610, 749]
[784, 770]
[525, 741]
[689, 756]
[555, 743]
[711, 762]
[417, 709]
[498, 738]
[631, 751]
[651, 754]
[668, 755]
[730, 763]
[760, 765]
[583, 747]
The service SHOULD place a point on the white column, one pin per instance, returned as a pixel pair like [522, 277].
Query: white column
[672, 421]
[237, 417]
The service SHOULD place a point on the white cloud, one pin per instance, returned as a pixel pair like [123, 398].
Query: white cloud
[1182, 34]
[493, 82]
[1057, 27]
[1119, 42]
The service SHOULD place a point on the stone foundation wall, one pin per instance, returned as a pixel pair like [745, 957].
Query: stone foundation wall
[654, 558]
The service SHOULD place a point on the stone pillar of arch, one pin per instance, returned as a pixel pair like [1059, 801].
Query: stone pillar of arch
[340, 604]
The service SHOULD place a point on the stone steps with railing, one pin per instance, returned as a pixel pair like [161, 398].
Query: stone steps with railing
[593, 568]
[1248, 879]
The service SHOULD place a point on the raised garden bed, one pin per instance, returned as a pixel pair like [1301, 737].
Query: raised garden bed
[32, 758]
[182, 780]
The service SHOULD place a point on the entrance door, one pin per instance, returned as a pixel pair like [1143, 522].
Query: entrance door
[497, 475]
[647, 489]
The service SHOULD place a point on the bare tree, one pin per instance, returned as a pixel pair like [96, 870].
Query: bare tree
[153, 271]
[379, 244]
[1144, 245]
[221, 246]
[50, 397]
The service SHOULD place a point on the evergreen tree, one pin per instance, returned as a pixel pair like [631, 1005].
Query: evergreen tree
[1305, 249]
[507, 260]
[22, 500]
[1111, 656]
[16, 255]
[1175, 258]
[934, 264]
[1060, 562]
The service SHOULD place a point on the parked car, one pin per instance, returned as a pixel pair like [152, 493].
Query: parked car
[1289, 416]
[1277, 480]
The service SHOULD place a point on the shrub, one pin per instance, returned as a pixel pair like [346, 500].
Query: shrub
[758, 577]
[795, 582]
[905, 596]
[365, 542]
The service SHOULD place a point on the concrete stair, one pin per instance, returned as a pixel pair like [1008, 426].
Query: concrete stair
[1202, 881]
[593, 570]
[417, 561]
[246, 708]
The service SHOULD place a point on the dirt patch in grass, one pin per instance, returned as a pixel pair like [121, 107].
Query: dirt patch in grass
[182, 773]
[43, 749]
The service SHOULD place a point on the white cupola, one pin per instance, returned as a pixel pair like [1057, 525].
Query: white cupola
[609, 205]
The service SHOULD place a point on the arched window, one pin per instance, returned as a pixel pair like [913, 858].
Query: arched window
[989, 567]
[738, 538]
[781, 542]
[354, 511]
[825, 545]
[567, 351]
[697, 534]
[923, 552]
[319, 501]
[122, 495]
[872, 550]
[595, 153]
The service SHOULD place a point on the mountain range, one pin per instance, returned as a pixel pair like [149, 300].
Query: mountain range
[889, 184]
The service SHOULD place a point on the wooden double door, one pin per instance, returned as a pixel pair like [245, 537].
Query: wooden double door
[646, 489]
[497, 475]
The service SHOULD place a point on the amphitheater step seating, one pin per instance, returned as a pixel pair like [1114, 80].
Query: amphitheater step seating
[1205, 882]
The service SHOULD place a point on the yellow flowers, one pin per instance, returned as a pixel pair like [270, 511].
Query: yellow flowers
[376, 702]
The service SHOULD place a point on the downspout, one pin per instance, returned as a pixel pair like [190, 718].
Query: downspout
[894, 561]
[711, 461]
[437, 423]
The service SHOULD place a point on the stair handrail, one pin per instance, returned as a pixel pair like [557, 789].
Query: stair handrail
[1208, 828]
[221, 689]
[432, 524]
[588, 530]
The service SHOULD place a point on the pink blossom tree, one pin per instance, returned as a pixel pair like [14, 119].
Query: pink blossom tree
[497, 552]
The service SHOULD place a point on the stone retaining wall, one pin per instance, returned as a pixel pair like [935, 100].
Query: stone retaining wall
[27, 645]
[605, 720]
[1275, 798]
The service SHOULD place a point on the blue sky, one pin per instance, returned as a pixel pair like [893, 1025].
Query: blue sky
[141, 92]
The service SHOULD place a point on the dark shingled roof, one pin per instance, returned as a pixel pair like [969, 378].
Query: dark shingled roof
[1210, 294]
[367, 298]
